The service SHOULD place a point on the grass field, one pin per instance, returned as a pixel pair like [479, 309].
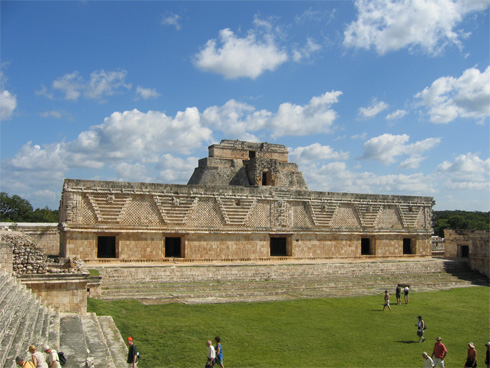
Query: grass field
[331, 332]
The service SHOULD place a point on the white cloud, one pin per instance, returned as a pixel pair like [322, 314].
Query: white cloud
[387, 147]
[172, 19]
[306, 51]
[373, 110]
[449, 98]
[398, 114]
[240, 119]
[315, 152]
[389, 25]
[52, 114]
[467, 172]
[147, 93]
[174, 169]
[132, 172]
[100, 84]
[240, 57]
[336, 177]
[8, 103]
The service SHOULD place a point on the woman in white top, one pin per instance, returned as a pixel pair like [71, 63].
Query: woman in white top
[37, 358]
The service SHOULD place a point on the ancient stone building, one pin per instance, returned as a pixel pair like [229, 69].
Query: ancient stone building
[243, 202]
[473, 245]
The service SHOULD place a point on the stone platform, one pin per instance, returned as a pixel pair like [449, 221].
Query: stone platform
[191, 283]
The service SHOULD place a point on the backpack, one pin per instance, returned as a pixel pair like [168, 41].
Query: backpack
[62, 357]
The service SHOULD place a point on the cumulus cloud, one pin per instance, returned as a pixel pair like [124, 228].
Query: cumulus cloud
[449, 98]
[306, 51]
[387, 147]
[147, 93]
[467, 171]
[389, 25]
[8, 103]
[235, 57]
[132, 172]
[99, 85]
[171, 19]
[172, 169]
[315, 152]
[374, 109]
[395, 115]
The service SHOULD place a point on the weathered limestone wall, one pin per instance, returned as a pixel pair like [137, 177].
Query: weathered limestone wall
[6, 256]
[66, 293]
[45, 235]
[478, 246]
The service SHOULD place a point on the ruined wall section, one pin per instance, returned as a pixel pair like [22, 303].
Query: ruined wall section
[471, 244]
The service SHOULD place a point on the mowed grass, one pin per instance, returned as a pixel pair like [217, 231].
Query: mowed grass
[330, 332]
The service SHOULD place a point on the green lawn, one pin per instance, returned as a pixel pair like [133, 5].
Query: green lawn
[331, 332]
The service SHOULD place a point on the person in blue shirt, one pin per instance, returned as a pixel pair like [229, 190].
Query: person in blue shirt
[219, 352]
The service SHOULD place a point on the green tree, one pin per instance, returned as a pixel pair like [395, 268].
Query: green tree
[14, 208]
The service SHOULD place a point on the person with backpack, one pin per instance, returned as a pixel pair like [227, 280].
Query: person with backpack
[132, 354]
[420, 329]
[53, 358]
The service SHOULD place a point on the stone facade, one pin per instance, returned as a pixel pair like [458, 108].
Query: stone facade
[473, 245]
[45, 235]
[243, 202]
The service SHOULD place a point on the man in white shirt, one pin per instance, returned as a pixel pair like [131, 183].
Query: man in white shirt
[211, 354]
[428, 362]
[53, 360]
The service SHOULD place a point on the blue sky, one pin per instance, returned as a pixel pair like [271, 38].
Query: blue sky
[386, 97]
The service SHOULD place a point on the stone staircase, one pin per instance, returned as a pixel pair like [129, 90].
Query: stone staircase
[219, 283]
[25, 321]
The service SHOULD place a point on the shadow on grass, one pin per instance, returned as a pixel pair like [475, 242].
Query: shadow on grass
[407, 342]
[377, 310]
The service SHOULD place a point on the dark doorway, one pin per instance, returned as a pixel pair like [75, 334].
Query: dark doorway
[106, 247]
[264, 179]
[407, 246]
[365, 246]
[278, 247]
[251, 155]
[464, 251]
[173, 248]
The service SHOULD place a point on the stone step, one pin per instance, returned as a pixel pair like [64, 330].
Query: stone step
[53, 330]
[72, 341]
[114, 341]
[95, 340]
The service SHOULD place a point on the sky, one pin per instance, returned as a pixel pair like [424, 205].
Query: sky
[381, 96]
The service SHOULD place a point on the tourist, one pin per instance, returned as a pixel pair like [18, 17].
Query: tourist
[428, 363]
[405, 292]
[23, 363]
[53, 358]
[387, 301]
[471, 356]
[487, 357]
[219, 352]
[420, 329]
[439, 352]
[37, 358]
[398, 292]
[211, 354]
[132, 354]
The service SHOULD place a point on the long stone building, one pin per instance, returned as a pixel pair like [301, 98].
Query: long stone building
[243, 202]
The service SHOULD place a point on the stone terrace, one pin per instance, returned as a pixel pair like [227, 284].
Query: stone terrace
[280, 280]
[25, 321]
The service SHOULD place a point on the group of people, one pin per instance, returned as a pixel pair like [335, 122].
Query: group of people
[398, 292]
[440, 351]
[215, 353]
[51, 360]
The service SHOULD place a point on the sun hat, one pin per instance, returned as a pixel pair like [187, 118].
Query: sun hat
[47, 348]
[488, 343]
[419, 317]
[470, 344]
[438, 338]
[130, 338]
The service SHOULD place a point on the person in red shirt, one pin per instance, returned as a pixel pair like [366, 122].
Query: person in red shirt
[439, 353]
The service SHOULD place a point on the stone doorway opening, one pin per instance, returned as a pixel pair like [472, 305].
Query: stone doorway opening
[106, 247]
[463, 251]
[366, 247]
[173, 247]
[407, 246]
[279, 246]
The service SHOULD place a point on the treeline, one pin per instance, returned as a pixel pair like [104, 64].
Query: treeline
[460, 220]
[17, 209]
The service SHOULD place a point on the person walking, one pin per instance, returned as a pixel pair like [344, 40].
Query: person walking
[219, 352]
[23, 363]
[37, 358]
[211, 354]
[53, 359]
[405, 292]
[387, 301]
[487, 355]
[398, 292]
[439, 353]
[470, 356]
[132, 354]
[420, 329]
[428, 363]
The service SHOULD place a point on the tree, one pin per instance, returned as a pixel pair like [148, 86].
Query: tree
[14, 209]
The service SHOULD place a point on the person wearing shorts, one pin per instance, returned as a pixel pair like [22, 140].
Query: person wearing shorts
[387, 301]
[420, 329]
[439, 353]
